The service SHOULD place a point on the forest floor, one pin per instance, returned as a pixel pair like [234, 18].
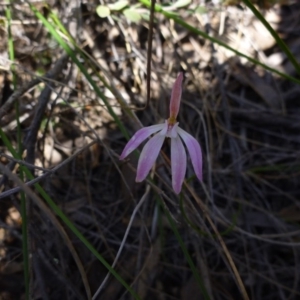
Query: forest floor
[234, 235]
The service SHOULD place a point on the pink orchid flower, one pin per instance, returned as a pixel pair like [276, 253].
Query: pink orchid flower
[171, 130]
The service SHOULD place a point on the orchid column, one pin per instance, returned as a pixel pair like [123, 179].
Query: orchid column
[171, 130]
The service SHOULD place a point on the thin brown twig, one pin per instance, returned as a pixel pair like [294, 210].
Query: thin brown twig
[24, 163]
[48, 172]
[149, 52]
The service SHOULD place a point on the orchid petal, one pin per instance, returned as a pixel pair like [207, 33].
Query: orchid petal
[148, 156]
[139, 137]
[194, 150]
[178, 163]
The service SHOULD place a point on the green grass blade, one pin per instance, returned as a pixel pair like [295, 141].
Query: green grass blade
[279, 41]
[74, 58]
[189, 27]
[92, 64]
[25, 251]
